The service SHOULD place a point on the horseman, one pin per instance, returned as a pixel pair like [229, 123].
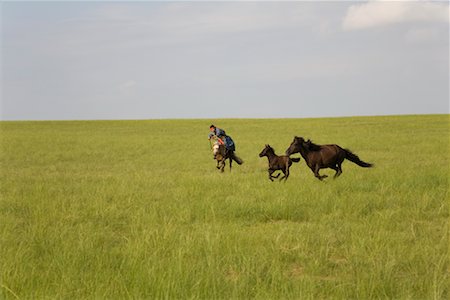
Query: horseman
[222, 138]
[225, 141]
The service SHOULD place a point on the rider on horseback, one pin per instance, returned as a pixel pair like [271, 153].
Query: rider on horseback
[222, 138]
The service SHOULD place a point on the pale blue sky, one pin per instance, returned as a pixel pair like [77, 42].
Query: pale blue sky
[145, 60]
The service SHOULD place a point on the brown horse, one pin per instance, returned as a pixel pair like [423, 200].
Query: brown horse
[221, 154]
[323, 156]
[277, 162]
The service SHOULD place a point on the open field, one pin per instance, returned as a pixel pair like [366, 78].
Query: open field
[136, 209]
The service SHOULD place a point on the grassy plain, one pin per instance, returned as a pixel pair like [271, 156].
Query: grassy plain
[136, 209]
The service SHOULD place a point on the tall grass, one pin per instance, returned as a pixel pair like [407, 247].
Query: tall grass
[136, 209]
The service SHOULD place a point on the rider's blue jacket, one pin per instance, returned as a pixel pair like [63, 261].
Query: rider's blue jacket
[217, 132]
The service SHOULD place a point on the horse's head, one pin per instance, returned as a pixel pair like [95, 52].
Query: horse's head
[295, 145]
[266, 151]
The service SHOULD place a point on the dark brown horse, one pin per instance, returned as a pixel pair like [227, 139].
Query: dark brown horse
[323, 156]
[277, 162]
[221, 154]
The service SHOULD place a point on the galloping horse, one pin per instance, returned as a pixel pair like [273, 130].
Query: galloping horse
[323, 156]
[276, 162]
[221, 154]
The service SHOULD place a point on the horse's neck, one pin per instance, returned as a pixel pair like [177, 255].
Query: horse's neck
[271, 156]
[218, 144]
[304, 153]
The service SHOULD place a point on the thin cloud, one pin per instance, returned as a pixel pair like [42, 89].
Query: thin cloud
[131, 25]
[422, 35]
[127, 85]
[204, 18]
[379, 13]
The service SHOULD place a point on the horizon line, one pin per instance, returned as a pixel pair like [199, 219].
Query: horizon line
[223, 118]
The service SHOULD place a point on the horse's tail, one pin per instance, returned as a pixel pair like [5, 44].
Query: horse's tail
[354, 158]
[295, 159]
[237, 159]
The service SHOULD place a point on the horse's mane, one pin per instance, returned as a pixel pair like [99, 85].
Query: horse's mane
[312, 146]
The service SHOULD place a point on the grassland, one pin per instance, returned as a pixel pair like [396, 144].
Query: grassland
[136, 209]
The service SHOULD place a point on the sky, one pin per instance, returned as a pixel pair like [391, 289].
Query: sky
[207, 59]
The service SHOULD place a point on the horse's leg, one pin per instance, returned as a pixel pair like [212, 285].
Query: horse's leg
[316, 173]
[219, 164]
[287, 174]
[231, 162]
[270, 174]
[338, 170]
[339, 165]
[224, 160]
[222, 165]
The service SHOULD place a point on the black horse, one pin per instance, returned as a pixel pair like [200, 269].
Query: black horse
[323, 156]
[221, 154]
[277, 162]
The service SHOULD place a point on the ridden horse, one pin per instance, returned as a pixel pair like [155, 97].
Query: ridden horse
[277, 162]
[221, 154]
[323, 156]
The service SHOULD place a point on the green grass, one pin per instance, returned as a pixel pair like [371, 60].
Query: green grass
[136, 209]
